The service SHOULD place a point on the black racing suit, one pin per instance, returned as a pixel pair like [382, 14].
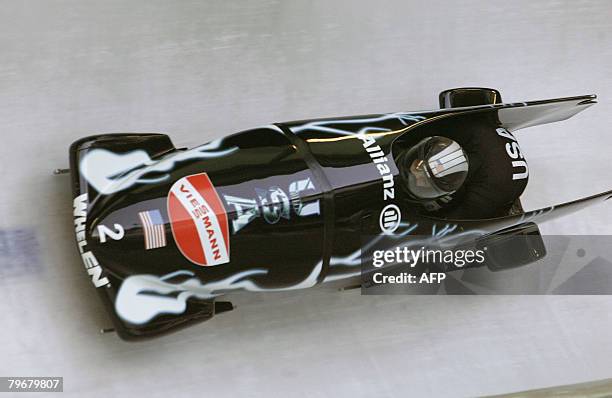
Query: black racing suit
[497, 174]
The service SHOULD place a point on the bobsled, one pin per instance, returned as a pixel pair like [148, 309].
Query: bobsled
[164, 232]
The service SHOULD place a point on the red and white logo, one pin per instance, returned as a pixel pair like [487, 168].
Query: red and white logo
[198, 219]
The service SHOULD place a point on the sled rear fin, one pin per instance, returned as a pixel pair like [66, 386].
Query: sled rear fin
[542, 112]
[493, 225]
[513, 115]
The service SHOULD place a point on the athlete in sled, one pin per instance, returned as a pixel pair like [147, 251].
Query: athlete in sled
[163, 231]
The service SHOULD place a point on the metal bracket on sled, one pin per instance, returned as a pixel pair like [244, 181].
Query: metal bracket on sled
[61, 171]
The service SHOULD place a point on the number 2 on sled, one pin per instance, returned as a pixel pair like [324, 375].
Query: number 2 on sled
[104, 231]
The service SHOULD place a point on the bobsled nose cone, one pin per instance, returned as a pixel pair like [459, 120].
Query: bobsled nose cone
[129, 239]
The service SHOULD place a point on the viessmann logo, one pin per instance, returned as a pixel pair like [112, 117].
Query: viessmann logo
[198, 219]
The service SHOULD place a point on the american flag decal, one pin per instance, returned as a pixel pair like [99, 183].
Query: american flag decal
[153, 227]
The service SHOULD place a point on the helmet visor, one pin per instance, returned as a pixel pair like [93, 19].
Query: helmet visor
[437, 166]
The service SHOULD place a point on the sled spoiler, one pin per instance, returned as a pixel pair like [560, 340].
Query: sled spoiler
[543, 112]
[519, 115]
[494, 225]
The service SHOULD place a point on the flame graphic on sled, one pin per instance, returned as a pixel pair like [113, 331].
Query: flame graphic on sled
[109, 172]
[143, 297]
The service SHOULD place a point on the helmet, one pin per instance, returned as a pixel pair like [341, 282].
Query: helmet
[434, 168]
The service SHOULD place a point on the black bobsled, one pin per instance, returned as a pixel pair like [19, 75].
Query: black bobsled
[163, 232]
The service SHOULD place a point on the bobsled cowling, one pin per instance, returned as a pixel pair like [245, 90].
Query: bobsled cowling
[165, 232]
